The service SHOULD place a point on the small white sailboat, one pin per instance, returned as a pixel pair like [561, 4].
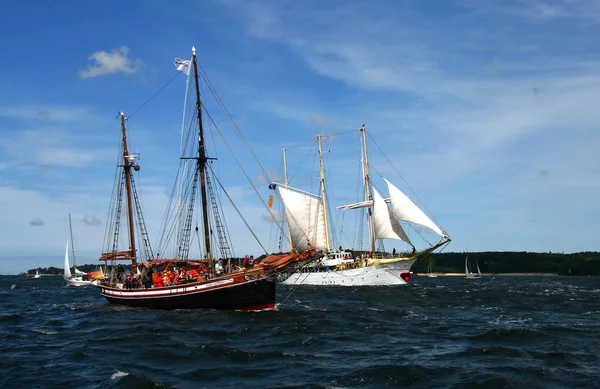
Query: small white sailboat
[37, 274]
[468, 273]
[77, 278]
[430, 274]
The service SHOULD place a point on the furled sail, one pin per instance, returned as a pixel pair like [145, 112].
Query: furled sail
[67, 269]
[306, 219]
[385, 224]
[404, 209]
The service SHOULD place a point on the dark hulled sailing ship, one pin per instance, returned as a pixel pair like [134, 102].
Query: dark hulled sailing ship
[174, 280]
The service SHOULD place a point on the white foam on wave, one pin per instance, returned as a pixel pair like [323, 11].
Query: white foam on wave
[118, 375]
[45, 332]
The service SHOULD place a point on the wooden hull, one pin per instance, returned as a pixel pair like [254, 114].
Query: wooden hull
[232, 293]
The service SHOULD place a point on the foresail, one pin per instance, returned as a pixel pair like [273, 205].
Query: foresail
[67, 269]
[386, 226]
[404, 209]
[305, 217]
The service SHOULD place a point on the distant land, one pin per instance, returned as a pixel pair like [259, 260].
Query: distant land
[490, 262]
[506, 262]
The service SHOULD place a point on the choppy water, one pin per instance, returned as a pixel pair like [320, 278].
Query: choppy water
[502, 332]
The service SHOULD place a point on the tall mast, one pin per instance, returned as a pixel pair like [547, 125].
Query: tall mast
[323, 195]
[127, 163]
[72, 241]
[285, 182]
[202, 160]
[368, 195]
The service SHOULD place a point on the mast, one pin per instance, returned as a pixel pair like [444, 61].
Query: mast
[368, 195]
[127, 163]
[285, 182]
[72, 241]
[202, 160]
[323, 195]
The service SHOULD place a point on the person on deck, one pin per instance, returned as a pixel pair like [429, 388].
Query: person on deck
[120, 272]
[219, 267]
[250, 262]
[182, 276]
[129, 281]
[245, 262]
[147, 282]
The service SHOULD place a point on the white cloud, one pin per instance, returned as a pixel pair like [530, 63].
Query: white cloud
[37, 222]
[47, 113]
[110, 62]
[91, 220]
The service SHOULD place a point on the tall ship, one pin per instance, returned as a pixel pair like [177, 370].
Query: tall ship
[172, 278]
[308, 224]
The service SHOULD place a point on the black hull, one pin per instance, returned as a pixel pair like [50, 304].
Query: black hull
[248, 295]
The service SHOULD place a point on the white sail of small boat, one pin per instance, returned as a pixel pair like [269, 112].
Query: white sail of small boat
[67, 272]
[468, 273]
[308, 226]
[430, 274]
[79, 278]
[37, 274]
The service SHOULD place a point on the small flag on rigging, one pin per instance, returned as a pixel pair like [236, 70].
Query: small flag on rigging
[182, 65]
[270, 203]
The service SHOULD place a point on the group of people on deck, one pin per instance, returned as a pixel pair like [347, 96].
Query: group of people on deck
[171, 275]
[248, 262]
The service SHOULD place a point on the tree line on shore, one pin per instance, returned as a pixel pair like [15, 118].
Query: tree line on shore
[587, 262]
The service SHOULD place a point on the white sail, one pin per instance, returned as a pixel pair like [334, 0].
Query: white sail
[305, 218]
[67, 269]
[386, 226]
[404, 209]
[77, 271]
[478, 271]
[467, 272]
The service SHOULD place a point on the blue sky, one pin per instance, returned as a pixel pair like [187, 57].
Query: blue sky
[487, 108]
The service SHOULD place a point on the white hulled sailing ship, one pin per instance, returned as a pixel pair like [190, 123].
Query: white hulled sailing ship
[308, 226]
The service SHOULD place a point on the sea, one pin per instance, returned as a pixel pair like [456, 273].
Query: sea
[445, 332]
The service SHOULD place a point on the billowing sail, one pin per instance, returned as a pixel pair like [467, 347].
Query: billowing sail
[404, 209]
[67, 269]
[385, 224]
[306, 219]
[78, 272]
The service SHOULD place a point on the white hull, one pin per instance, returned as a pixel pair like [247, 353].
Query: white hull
[372, 275]
[78, 281]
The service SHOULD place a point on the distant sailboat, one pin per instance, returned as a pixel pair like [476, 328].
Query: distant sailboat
[37, 274]
[429, 272]
[468, 273]
[77, 278]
